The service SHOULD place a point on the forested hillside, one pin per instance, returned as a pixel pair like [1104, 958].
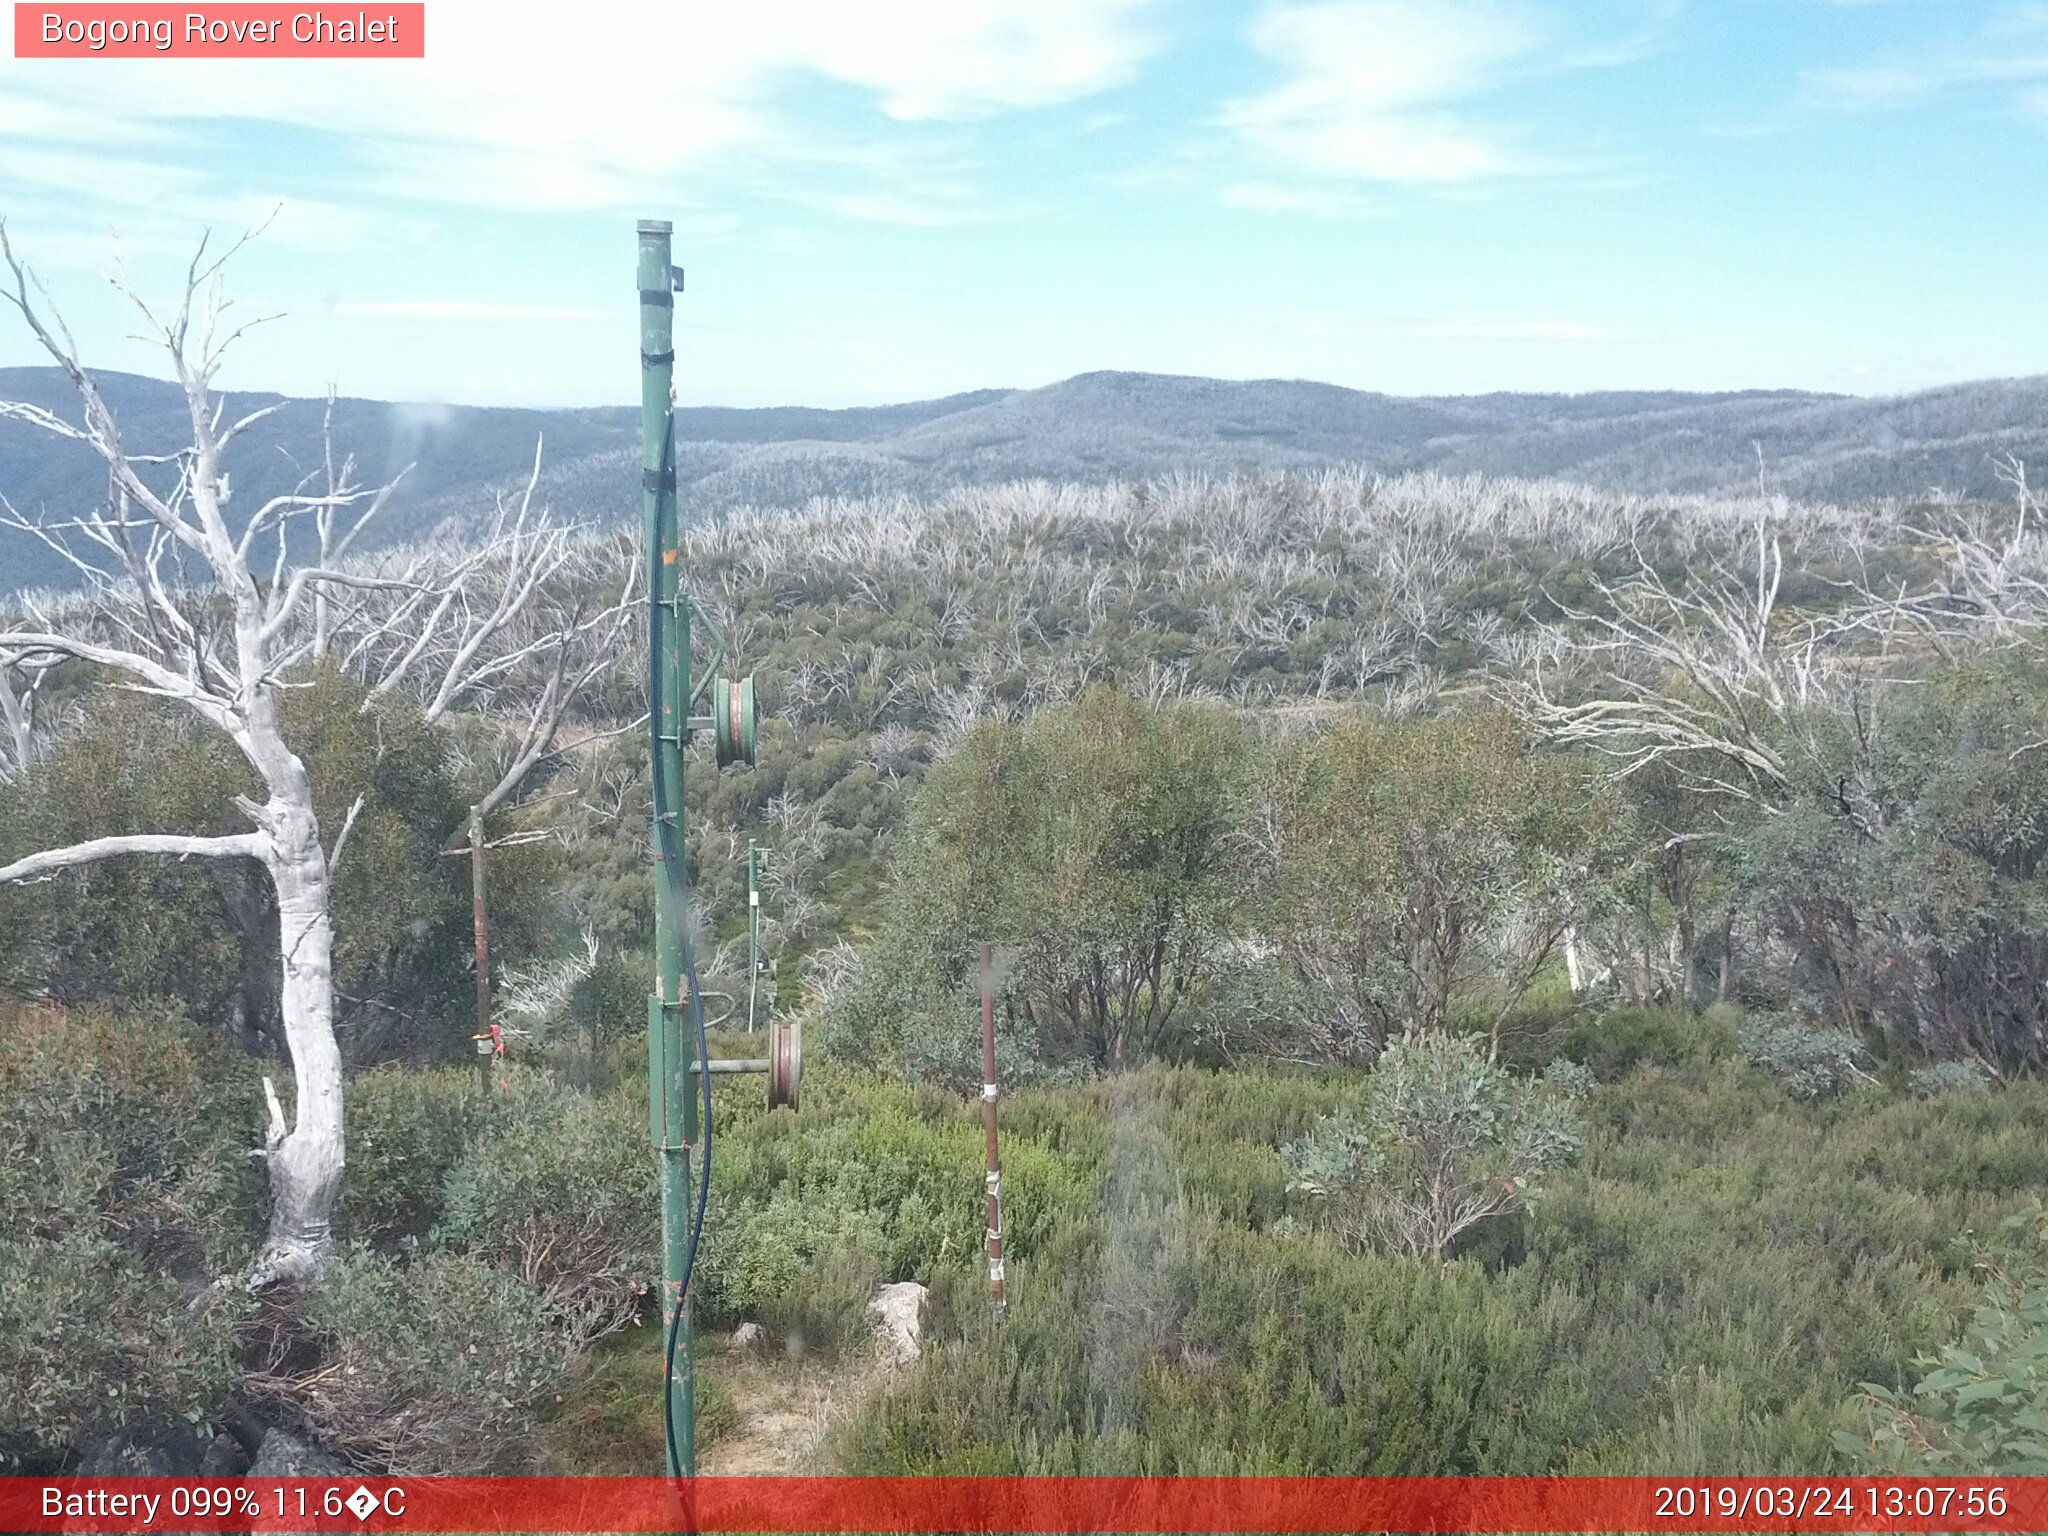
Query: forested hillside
[1496, 976]
[1090, 429]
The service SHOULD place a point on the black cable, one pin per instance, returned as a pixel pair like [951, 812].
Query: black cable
[671, 872]
[697, 1225]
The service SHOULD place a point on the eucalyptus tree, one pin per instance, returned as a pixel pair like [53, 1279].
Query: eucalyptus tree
[187, 604]
[1417, 873]
[1096, 844]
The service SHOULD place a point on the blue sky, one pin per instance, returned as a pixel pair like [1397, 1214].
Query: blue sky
[903, 198]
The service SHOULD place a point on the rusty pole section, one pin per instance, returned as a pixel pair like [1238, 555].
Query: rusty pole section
[486, 1042]
[988, 1118]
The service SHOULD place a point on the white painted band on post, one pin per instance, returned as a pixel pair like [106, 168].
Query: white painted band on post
[995, 1271]
[988, 1093]
[995, 1184]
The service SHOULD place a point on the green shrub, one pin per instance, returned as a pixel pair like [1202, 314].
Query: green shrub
[93, 1343]
[1902, 876]
[1421, 871]
[170, 1106]
[407, 1130]
[559, 1190]
[435, 1366]
[1964, 1075]
[122, 930]
[1442, 1140]
[1094, 845]
[125, 1188]
[1812, 1062]
[1706, 1285]
[606, 1006]
[873, 1180]
[1615, 1040]
[1170, 1345]
[1980, 1407]
[824, 1311]
[755, 1254]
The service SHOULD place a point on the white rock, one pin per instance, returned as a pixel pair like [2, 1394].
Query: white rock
[899, 1316]
[746, 1336]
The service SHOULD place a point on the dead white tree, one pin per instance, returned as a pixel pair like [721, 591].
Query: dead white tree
[515, 622]
[18, 687]
[1995, 585]
[1704, 676]
[178, 609]
[219, 651]
[1712, 677]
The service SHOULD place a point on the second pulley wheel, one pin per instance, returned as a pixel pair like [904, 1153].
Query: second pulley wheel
[735, 730]
[785, 1063]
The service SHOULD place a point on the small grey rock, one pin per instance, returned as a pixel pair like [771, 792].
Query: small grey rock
[285, 1455]
[898, 1311]
[170, 1455]
[224, 1457]
[116, 1457]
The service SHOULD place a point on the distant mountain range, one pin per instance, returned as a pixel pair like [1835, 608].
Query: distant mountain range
[1093, 427]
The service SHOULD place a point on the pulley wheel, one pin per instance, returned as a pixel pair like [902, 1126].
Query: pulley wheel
[735, 730]
[785, 1063]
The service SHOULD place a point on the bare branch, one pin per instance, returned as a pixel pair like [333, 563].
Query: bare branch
[242, 845]
[341, 839]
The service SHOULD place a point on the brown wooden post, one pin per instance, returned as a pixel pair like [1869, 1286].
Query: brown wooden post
[988, 1116]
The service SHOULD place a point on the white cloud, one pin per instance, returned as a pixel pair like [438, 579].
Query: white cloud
[888, 208]
[92, 204]
[27, 118]
[1322, 202]
[610, 101]
[1385, 90]
[2011, 51]
[1368, 78]
[1885, 86]
[1873, 87]
[969, 57]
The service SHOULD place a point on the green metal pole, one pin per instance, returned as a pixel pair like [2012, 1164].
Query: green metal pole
[672, 1106]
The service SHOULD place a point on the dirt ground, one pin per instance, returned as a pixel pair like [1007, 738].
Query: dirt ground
[788, 1410]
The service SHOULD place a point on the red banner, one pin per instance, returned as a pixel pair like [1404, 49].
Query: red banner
[1023, 1504]
[377, 30]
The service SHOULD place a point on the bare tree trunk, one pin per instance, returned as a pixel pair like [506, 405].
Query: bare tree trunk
[15, 715]
[253, 1015]
[306, 1161]
[1647, 935]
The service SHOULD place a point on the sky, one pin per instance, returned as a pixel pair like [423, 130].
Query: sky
[880, 200]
